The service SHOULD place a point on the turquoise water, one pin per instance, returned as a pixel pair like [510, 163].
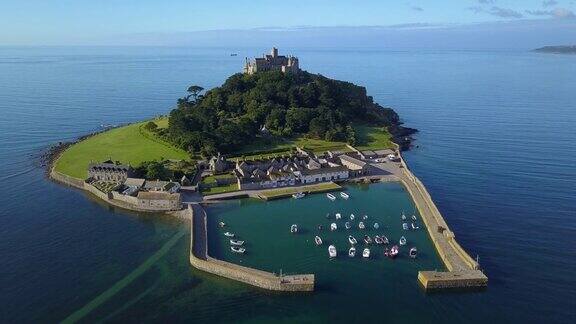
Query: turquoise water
[496, 151]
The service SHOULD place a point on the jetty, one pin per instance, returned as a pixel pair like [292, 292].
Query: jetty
[200, 259]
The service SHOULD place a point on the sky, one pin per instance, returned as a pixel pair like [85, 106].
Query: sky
[192, 22]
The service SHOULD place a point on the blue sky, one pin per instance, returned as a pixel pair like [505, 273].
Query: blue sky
[40, 22]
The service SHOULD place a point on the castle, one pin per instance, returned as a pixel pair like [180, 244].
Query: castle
[272, 62]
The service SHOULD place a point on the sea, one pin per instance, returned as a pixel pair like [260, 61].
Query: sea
[496, 149]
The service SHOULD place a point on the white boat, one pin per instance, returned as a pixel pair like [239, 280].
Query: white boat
[385, 240]
[352, 252]
[332, 251]
[236, 242]
[413, 217]
[352, 240]
[366, 253]
[228, 234]
[361, 225]
[376, 226]
[333, 227]
[367, 239]
[294, 229]
[402, 240]
[352, 216]
[237, 249]
[298, 195]
[318, 240]
[347, 225]
[365, 217]
[415, 227]
[413, 253]
[392, 253]
[331, 196]
[338, 216]
[403, 216]
[378, 239]
[405, 226]
[344, 195]
[222, 224]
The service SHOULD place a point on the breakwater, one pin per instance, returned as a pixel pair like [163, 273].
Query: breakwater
[463, 270]
[200, 259]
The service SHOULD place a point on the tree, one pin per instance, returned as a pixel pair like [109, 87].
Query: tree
[194, 91]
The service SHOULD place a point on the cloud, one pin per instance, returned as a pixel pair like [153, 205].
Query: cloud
[560, 13]
[415, 8]
[497, 11]
[549, 3]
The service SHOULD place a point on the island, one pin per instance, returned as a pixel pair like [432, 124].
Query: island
[270, 132]
[561, 49]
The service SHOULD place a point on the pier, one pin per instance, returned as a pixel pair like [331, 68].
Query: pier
[200, 259]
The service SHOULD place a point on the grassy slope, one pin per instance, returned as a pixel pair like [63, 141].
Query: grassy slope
[372, 138]
[129, 144]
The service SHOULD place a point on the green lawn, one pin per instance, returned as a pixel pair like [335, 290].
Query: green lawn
[221, 189]
[372, 138]
[130, 144]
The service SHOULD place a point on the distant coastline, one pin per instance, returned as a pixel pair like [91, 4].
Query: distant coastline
[558, 49]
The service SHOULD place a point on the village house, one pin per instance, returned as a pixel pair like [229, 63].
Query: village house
[217, 164]
[322, 174]
[357, 167]
[157, 200]
[109, 171]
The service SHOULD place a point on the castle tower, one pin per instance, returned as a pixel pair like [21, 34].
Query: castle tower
[274, 52]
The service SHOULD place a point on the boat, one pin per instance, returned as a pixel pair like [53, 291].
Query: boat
[367, 239]
[403, 216]
[344, 195]
[366, 253]
[413, 253]
[413, 217]
[385, 240]
[376, 226]
[236, 242]
[294, 229]
[402, 240]
[352, 240]
[393, 252]
[298, 195]
[405, 226]
[347, 225]
[320, 227]
[237, 249]
[222, 224]
[378, 239]
[415, 227]
[361, 225]
[352, 216]
[327, 215]
[332, 251]
[318, 240]
[333, 227]
[228, 234]
[234, 54]
[338, 216]
[331, 196]
[352, 252]
[365, 217]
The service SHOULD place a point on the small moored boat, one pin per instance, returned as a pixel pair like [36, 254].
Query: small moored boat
[333, 227]
[222, 224]
[352, 240]
[298, 195]
[327, 215]
[236, 242]
[402, 240]
[228, 234]
[331, 196]
[413, 253]
[347, 225]
[385, 240]
[378, 239]
[403, 216]
[352, 252]
[413, 217]
[365, 217]
[237, 249]
[318, 240]
[376, 226]
[392, 253]
[320, 227]
[352, 216]
[338, 216]
[344, 195]
[366, 253]
[405, 226]
[361, 225]
[415, 227]
[367, 239]
[332, 251]
[294, 229]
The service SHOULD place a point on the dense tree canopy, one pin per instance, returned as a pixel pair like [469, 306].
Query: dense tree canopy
[287, 104]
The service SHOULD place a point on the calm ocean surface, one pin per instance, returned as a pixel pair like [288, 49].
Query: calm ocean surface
[496, 149]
